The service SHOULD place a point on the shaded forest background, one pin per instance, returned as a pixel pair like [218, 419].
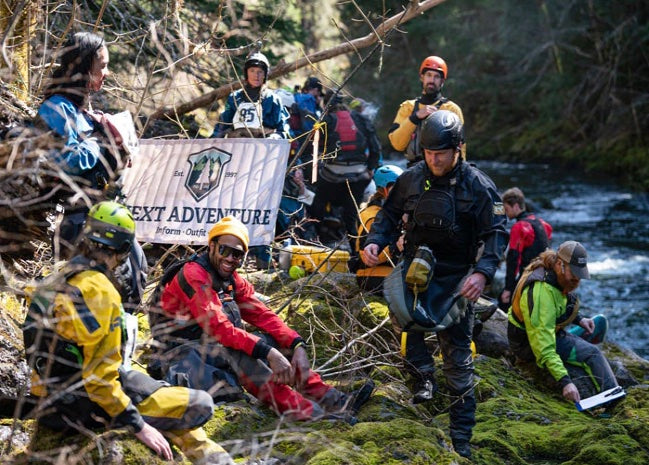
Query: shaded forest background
[536, 79]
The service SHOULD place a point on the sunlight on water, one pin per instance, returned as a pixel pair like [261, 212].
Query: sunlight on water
[610, 221]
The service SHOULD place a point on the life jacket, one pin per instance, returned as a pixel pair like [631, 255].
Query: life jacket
[433, 218]
[52, 357]
[346, 140]
[414, 152]
[171, 331]
[538, 273]
[540, 244]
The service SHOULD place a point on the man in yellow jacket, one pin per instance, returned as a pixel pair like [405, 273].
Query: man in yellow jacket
[404, 132]
[73, 342]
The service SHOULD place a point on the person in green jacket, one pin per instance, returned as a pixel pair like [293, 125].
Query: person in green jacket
[543, 305]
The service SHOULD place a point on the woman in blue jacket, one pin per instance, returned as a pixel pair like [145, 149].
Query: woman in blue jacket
[89, 155]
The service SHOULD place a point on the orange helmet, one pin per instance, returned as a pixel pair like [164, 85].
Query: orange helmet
[434, 63]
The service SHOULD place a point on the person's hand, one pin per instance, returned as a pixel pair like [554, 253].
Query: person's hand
[473, 286]
[425, 110]
[282, 369]
[506, 296]
[301, 366]
[588, 324]
[571, 393]
[370, 255]
[298, 178]
[154, 439]
[401, 242]
[274, 135]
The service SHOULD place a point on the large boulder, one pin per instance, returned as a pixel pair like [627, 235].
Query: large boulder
[521, 419]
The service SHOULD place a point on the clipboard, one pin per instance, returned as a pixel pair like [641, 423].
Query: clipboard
[601, 398]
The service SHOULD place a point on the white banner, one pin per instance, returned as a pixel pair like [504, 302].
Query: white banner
[178, 189]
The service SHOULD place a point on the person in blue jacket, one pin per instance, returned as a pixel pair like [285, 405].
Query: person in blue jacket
[254, 110]
[89, 153]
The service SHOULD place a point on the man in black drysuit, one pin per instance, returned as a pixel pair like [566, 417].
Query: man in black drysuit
[454, 209]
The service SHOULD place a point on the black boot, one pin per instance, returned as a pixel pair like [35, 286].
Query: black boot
[462, 447]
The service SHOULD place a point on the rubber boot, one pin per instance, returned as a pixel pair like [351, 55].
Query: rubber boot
[198, 448]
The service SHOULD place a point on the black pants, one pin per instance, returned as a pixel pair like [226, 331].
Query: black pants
[455, 343]
[337, 194]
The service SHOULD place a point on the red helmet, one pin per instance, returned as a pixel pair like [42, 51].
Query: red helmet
[434, 63]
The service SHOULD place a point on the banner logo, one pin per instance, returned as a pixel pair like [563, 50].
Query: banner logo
[206, 168]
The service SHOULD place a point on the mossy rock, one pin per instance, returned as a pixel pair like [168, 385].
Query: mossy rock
[521, 418]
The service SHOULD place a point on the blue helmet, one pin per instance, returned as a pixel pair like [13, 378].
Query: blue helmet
[386, 174]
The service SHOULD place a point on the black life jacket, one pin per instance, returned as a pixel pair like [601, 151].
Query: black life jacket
[167, 330]
[346, 139]
[540, 244]
[433, 219]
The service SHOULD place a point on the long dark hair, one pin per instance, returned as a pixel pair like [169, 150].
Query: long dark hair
[75, 61]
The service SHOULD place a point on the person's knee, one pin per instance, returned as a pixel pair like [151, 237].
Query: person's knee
[200, 408]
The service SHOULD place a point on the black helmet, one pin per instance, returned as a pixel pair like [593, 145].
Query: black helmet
[441, 130]
[256, 59]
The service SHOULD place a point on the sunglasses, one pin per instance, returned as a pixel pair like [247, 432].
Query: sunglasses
[225, 251]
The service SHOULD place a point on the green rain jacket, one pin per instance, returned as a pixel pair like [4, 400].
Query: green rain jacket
[549, 312]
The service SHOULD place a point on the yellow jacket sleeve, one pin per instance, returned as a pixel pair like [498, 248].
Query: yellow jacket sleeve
[403, 127]
[90, 315]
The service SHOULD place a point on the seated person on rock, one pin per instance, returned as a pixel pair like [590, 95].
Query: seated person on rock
[73, 343]
[543, 305]
[206, 346]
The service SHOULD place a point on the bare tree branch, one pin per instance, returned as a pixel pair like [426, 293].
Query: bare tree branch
[413, 10]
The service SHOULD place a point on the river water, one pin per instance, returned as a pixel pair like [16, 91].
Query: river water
[611, 222]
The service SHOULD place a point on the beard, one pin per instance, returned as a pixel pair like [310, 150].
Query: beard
[568, 285]
[431, 90]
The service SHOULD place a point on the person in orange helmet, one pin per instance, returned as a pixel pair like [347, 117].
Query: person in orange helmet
[404, 132]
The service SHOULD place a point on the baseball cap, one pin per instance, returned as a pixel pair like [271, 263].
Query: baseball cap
[574, 254]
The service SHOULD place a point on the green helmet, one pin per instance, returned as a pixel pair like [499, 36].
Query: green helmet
[111, 224]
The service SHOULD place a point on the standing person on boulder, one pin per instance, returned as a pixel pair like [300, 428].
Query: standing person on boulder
[544, 304]
[207, 347]
[455, 237]
[529, 236]
[405, 130]
[73, 342]
[254, 110]
[352, 153]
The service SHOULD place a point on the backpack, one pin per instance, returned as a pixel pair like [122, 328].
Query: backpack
[157, 320]
[346, 140]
